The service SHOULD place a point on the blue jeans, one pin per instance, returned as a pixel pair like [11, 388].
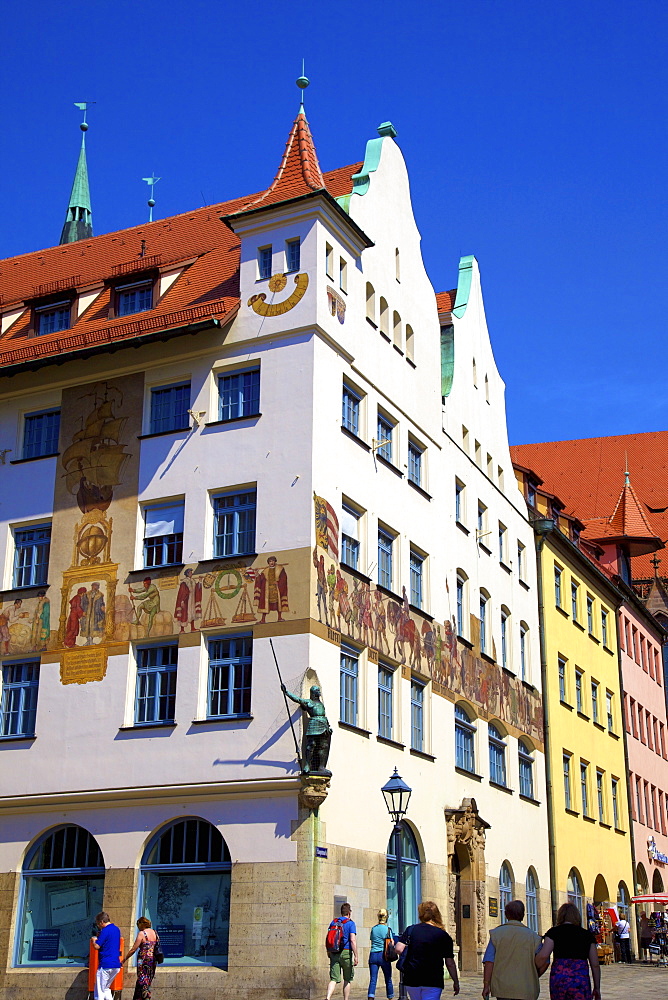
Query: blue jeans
[424, 992]
[376, 962]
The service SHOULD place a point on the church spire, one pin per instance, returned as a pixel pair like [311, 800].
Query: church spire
[79, 219]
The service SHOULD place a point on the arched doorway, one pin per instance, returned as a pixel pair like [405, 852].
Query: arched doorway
[574, 890]
[601, 894]
[657, 881]
[623, 901]
[185, 892]
[408, 865]
[642, 882]
[467, 916]
[62, 892]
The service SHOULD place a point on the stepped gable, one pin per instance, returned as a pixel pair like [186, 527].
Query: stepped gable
[585, 473]
[198, 242]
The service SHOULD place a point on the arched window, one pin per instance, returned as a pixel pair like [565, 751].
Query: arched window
[384, 318]
[410, 342]
[475, 374]
[63, 888]
[642, 881]
[506, 645]
[396, 330]
[525, 757]
[464, 740]
[397, 265]
[574, 890]
[657, 881]
[462, 580]
[409, 867]
[524, 651]
[370, 303]
[532, 901]
[623, 901]
[497, 755]
[485, 643]
[505, 889]
[486, 389]
[185, 892]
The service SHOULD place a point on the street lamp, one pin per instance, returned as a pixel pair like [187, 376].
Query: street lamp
[397, 795]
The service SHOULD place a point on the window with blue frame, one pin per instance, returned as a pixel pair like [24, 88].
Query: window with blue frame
[134, 298]
[163, 534]
[464, 740]
[187, 868]
[20, 685]
[349, 683]
[532, 901]
[264, 262]
[239, 394]
[350, 417]
[169, 408]
[31, 555]
[505, 890]
[156, 684]
[525, 758]
[417, 715]
[497, 756]
[53, 318]
[64, 868]
[234, 523]
[505, 615]
[40, 434]
[292, 255]
[416, 578]
[384, 432]
[461, 597]
[484, 638]
[230, 674]
[385, 702]
[415, 453]
[385, 543]
[350, 536]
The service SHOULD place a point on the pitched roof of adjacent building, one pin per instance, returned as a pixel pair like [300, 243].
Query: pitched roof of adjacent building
[587, 474]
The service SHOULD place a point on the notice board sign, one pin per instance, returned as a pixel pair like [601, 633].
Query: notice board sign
[493, 907]
[45, 945]
[173, 940]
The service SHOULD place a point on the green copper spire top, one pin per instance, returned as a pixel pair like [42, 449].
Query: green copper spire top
[79, 219]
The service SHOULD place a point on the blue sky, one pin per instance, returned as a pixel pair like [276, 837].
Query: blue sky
[535, 135]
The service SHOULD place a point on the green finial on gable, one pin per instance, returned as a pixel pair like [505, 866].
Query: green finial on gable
[79, 218]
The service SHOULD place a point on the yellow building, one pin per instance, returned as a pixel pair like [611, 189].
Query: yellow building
[590, 837]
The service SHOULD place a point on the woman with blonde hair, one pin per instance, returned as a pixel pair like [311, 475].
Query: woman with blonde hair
[429, 946]
[575, 953]
[379, 933]
[145, 943]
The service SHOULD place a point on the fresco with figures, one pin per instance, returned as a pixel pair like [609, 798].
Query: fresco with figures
[371, 616]
[96, 598]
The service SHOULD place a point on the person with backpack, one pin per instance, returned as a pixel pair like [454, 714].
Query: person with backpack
[623, 935]
[341, 945]
[382, 939]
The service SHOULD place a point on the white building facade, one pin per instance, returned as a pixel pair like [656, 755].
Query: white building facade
[224, 436]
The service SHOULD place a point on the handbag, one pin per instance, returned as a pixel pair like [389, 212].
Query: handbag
[390, 953]
[401, 961]
[158, 953]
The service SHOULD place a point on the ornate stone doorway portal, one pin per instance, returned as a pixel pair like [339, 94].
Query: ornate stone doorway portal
[467, 882]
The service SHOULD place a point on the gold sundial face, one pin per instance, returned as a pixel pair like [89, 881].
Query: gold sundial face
[277, 283]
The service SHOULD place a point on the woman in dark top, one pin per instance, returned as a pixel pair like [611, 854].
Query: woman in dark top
[428, 947]
[574, 951]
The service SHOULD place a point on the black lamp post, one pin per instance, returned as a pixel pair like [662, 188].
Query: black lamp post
[397, 794]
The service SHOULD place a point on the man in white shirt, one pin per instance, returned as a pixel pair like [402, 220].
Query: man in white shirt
[623, 932]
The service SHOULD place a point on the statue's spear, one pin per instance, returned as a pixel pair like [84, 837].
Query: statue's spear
[287, 707]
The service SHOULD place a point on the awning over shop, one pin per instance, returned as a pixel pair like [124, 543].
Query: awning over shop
[653, 897]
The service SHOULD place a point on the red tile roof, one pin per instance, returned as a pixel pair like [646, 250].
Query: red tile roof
[198, 241]
[445, 301]
[299, 172]
[587, 475]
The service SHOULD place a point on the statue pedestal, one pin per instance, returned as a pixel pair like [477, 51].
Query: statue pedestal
[314, 789]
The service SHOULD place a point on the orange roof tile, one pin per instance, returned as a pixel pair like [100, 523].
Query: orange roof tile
[299, 171]
[198, 241]
[445, 301]
[586, 474]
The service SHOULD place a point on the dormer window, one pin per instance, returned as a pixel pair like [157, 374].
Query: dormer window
[53, 317]
[134, 298]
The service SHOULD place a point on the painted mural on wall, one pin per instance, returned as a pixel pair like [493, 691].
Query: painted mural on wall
[369, 615]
